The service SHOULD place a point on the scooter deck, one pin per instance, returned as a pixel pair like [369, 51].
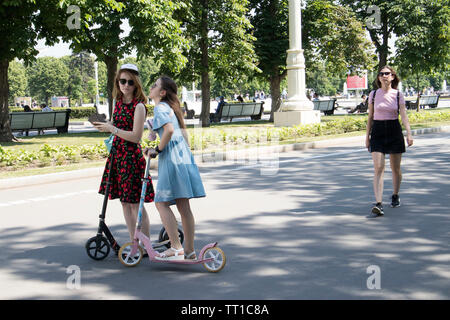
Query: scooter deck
[185, 261]
[152, 253]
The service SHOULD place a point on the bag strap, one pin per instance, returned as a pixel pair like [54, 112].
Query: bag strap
[113, 109]
[373, 100]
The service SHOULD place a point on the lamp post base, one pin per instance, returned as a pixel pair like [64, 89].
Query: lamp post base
[294, 118]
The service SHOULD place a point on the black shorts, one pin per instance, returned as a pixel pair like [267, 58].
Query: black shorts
[386, 136]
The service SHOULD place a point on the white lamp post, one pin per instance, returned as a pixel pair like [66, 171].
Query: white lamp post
[297, 109]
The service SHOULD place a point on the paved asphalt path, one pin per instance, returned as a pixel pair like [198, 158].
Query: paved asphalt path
[296, 230]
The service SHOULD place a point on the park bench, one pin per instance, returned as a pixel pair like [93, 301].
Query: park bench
[430, 101]
[364, 107]
[246, 109]
[40, 120]
[325, 106]
[188, 113]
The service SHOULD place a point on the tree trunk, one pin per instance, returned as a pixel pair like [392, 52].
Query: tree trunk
[5, 127]
[383, 52]
[275, 92]
[111, 66]
[381, 47]
[206, 86]
[382, 56]
[384, 49]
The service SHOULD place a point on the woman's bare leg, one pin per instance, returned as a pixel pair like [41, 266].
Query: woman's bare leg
[378, 182]
[395, 160]
[187, 219]
[130, 213]
[171, 225]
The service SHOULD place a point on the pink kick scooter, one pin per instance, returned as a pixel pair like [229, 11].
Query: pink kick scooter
[131, 253]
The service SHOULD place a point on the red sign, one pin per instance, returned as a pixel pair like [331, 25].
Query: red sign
[355, 82]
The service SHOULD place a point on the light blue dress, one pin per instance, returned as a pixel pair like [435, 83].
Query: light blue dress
[178, 175]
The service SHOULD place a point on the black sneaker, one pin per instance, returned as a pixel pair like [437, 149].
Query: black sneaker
[395, 201]
[378, 209]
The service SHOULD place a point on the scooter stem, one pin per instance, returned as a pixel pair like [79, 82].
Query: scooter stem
[143, 192]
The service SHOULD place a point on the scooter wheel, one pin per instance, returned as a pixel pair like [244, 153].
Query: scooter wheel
[219, 259]
[163, 236]
[97, 247]
[126, 259]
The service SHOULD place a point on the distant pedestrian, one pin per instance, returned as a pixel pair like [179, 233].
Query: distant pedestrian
[45, 108]
[361, 107]
[26, 108]
[215, 117]
[384, 134]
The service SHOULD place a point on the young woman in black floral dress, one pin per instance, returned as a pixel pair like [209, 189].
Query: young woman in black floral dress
[128, 161]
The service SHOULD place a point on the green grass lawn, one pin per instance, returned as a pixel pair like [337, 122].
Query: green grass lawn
[73, 139]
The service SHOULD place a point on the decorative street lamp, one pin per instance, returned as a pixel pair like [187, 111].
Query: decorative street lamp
[297, 109]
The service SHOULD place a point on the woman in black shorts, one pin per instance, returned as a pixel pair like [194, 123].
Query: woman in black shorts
[384, 134]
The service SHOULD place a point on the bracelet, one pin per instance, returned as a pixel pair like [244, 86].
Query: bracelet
[157, 150]
[115, 131]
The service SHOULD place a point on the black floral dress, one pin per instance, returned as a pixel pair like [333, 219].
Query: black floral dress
[128, 165]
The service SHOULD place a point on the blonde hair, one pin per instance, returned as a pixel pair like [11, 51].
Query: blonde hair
[138, 93]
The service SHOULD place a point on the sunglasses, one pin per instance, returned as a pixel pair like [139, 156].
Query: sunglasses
[384, 74]
[124, 81]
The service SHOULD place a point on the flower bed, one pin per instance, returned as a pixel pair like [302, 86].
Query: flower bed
[201, 139]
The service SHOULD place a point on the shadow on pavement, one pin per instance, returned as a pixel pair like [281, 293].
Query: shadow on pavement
[319, 249]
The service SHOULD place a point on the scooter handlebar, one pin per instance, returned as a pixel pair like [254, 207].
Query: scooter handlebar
[147, 168]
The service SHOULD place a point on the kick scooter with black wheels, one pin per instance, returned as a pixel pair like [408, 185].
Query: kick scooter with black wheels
[98, 247]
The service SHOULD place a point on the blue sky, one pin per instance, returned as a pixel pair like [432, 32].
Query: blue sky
[62, 49]
[59, 50]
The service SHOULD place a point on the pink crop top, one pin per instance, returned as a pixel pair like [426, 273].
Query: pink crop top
[386, 107]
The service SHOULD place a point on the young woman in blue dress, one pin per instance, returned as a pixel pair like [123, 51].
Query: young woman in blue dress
[178, 175]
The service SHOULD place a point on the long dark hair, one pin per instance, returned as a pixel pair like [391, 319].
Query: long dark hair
[395, 81]
[171, 98]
